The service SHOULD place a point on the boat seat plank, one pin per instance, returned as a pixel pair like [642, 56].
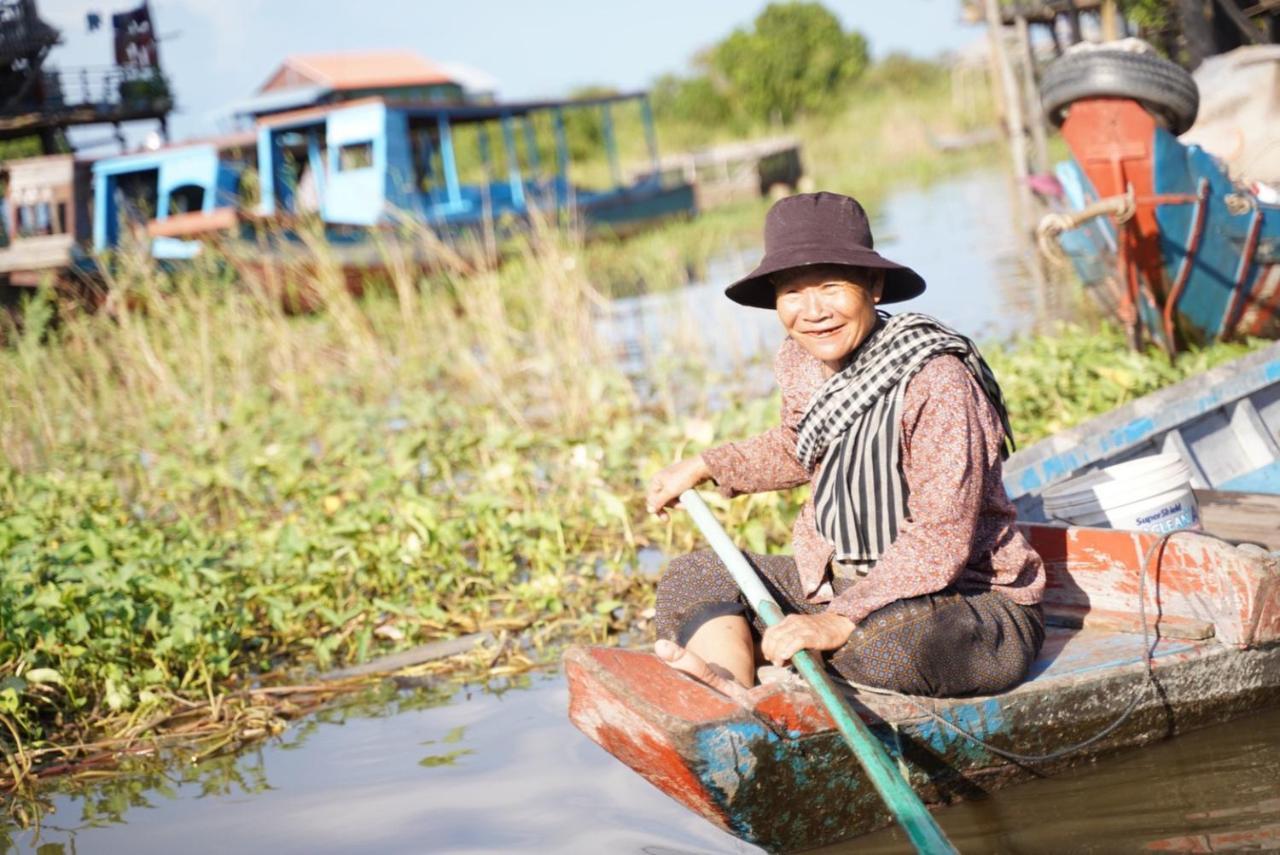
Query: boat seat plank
[1241, 517]
[1068, 653]
[1167, 626]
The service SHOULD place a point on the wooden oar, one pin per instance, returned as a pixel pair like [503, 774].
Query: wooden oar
[907, 809]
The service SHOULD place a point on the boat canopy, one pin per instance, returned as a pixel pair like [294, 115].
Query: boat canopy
[454, 113]
[374, 161]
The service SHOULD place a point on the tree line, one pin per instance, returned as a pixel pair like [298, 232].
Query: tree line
[794, 58]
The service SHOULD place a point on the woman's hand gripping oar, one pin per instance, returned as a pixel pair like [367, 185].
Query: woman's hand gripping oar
[902, 801]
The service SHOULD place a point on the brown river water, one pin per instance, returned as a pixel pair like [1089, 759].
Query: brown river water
[500, 768]
[483, 771]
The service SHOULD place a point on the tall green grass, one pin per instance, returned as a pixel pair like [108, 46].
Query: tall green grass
[200, 486]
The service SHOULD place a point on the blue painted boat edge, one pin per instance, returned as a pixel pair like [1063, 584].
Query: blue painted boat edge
[1265, 479]
[1091, 247]
[1212, 264]
[1056, 458]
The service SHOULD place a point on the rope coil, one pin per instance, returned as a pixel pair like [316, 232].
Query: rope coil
[1122, 208]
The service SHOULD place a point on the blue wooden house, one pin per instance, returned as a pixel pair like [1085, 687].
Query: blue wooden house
[157, 193]
[372, 163]
[375, 162]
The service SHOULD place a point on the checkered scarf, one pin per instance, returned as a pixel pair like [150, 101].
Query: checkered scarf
[852, 424]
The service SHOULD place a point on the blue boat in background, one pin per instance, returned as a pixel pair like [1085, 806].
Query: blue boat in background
[1224, 423]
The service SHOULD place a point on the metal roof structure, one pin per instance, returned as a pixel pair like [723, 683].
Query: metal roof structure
[457, 113]
[355, 70]
[279, 100]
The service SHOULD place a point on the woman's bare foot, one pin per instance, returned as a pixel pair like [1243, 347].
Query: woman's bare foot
[699, 669]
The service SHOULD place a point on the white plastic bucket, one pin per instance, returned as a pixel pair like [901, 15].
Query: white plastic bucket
[1150, 493]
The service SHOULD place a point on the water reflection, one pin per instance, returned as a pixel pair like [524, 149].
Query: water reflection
[478, 771]
[519, 778]
[1215, 790]
[448, 757]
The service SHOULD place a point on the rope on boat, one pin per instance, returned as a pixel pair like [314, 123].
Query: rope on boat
[1238, 203]
[1158, 546]
[1054, 224]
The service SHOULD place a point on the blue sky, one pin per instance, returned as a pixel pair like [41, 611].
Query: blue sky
[220, 50]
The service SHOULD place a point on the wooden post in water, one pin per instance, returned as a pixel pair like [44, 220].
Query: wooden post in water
[1035, 114]
[1110, 21]
[1013, 114]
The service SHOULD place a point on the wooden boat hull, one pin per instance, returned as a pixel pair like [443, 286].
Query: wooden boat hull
[789, 788]
[629, 210]
[778, 774]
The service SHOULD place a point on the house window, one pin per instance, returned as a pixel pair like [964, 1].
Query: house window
[136, 194]
[185, 199]
[355, 156]
[39, 219]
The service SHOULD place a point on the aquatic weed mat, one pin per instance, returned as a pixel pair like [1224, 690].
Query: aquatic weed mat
[210, 492]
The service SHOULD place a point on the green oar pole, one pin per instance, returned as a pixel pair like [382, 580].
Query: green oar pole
[910, 812]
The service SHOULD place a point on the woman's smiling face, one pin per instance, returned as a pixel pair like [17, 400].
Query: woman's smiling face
[828, 310]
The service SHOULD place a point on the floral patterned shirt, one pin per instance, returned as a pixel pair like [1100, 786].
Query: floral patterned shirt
[960, 529]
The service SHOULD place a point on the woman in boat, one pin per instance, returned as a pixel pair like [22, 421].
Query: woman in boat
[908, 572]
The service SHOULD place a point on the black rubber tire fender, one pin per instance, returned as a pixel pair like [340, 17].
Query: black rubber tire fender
[1162, 87]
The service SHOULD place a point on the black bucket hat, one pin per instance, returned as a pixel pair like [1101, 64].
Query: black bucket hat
[820, 228]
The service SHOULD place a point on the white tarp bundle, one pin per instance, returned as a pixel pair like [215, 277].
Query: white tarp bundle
[1239, 119]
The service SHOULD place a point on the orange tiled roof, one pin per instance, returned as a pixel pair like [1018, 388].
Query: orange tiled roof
[363, 70]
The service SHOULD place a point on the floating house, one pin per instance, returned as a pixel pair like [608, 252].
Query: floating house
[376, 162]
[44, 216]
[360, 141]
[186, 189]
[373, 163]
